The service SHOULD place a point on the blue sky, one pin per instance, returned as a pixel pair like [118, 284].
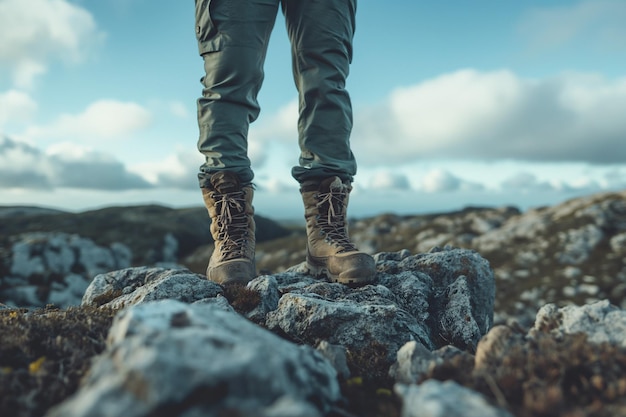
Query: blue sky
[456, 103]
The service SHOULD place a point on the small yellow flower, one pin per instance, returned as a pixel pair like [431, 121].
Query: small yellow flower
[383, 392]
[357, 380]
[35, 366]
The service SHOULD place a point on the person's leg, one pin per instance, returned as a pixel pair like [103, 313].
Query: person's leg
[321, 35]
[232, 40]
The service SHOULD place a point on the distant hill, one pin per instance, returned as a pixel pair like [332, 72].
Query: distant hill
[569, 253]
[18, 211]
[141, 228]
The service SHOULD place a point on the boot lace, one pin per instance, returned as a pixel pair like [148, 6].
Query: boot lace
[332, 219]
[232, 224]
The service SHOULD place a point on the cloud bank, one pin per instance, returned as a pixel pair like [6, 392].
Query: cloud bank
[497, 115]
[468, 115]
[103, 119]
[64, 165]
[36, 32]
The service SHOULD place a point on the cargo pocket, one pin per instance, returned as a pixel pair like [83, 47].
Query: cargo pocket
[207, 33]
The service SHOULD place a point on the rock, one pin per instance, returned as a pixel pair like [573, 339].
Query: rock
[65, 295]
[601, 321]
[136, 285]
[192, 352]
[445, 267]
[267, 287]
[391, 313]
[414, 362]
[455, 320]
[339, 320]
[578, 244]
[494, 345]
[444, 399]
[460, 289]
[336, 355]
[169, 358]
[55, 268]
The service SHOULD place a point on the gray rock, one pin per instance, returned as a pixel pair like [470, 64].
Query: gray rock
[444, 399]
[494, 345]
[445, 266]
[334, 313]
[414, 362]
[267, 287]
[24, 264]
[158, 341]
[219, 301]
[455, 321]
[52, 262]
[23, 295]
[70, 292]
[601, 321]
[170, 248]
[578, 244]
[136, 285]
[170, 358]
[336, 355]
[457, 285]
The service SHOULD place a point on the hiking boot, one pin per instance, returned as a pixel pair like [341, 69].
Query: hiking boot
[329, 250]
[233, 229]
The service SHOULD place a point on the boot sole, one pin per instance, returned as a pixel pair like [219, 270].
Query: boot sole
[320, 270]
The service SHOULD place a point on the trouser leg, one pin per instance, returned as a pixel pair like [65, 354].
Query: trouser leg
[321, 34]
[232, 39]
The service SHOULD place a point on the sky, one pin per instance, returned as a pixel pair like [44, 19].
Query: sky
[456, 104]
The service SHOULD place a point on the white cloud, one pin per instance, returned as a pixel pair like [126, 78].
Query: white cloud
[64, 165]
[22, 166]
[386, 180]
[281, 126]
[600, 22]
[439, 180]
[274, 185]
[179, 170]
[103, 119]
[615, 179]
[16, 106]
[257, 152]
[496, 115]
[525, 181]
[35, 32]
[278, 133]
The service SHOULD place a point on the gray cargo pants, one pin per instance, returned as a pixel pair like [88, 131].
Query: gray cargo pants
[232, 37]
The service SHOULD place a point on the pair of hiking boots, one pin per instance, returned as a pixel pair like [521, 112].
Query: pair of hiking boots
[330, 252]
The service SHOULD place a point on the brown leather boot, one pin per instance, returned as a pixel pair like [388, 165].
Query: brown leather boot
[233, 229]
[329, 250]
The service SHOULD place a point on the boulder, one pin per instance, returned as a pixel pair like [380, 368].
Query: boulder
[444, 399]
[135, 285]
[170, 358]
[600, 321]
[55, 268]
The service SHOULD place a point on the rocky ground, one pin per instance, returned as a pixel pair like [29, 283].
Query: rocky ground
[483, 312]
[572, 253]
